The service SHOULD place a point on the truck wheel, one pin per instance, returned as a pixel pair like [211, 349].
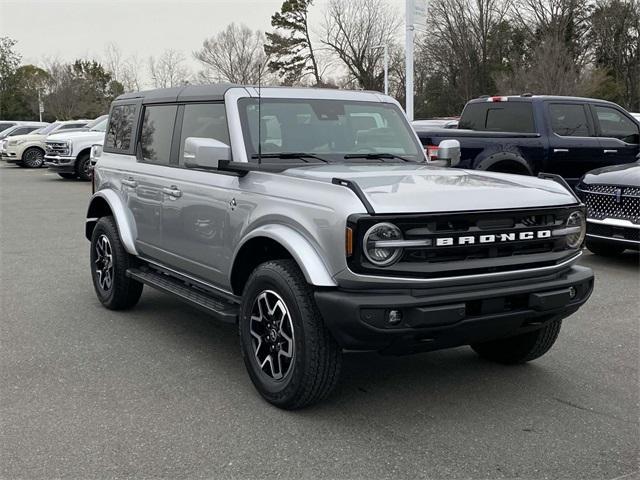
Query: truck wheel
[83, 167]
[521, 348]
[109, 264]
[291, 357]
[33, 158]
[68, 176]
[605, 249]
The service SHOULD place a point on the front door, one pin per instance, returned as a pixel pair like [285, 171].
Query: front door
[619, 135]
[195, 220]
[573, 147]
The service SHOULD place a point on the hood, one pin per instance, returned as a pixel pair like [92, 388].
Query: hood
[627, 174]
[421, 188]
[30, 137]
[76, 135]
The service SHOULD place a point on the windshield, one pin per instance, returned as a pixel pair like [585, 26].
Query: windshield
[329, 129]
[99, 124]
[48, 129]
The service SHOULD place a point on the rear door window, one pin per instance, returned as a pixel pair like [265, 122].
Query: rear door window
[120, 130]
[569, 120]
[157, 132]
[514, 117]
[613, 124]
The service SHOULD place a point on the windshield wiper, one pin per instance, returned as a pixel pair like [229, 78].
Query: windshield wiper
[376, 156]
[290, 155]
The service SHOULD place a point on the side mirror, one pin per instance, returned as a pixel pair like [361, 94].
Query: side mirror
[449, 150]
[205, 152]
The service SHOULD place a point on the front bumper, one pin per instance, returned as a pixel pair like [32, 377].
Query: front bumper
[611, 230]
[445, 317]
[11, 156]
[60, 164]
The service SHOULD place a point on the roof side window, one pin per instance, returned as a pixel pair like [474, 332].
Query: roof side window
[157, 132]
[569, 120]
[205, 120]
[120, 129]
[515, 117]
[614, 124]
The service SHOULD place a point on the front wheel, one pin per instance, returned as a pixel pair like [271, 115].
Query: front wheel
[83, 167]
[521, 348]
[291, 357]
[33, 158]
[109, 264]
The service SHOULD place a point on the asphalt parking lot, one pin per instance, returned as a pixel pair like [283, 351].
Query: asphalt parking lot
[161, 391]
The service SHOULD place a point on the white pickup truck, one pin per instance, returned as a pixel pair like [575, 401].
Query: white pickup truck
[67, 153]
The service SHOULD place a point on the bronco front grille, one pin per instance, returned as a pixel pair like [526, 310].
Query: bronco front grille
[452, 257]
[611, 201]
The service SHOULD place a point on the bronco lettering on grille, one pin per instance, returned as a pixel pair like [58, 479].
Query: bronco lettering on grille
[492, 238]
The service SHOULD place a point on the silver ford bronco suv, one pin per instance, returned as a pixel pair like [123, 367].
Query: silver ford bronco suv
[312, 220]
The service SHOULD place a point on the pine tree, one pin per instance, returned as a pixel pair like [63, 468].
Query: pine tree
[291, 51]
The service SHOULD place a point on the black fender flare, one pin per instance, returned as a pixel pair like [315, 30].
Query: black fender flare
[508, 157]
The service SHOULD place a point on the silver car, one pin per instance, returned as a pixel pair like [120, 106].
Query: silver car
[312, 220]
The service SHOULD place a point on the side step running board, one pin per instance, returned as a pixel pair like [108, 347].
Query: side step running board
[221, 309]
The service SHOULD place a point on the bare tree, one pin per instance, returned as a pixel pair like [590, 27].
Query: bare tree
[124, 70]
[352, 29]
[169, 70]
[234, 55]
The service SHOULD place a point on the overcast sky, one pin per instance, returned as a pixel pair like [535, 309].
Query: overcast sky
[68, 29]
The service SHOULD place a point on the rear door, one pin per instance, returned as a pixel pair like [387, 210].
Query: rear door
[151, 177]
[618, 134]
[573, 147]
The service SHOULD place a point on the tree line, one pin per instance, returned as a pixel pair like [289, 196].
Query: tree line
[466, 49]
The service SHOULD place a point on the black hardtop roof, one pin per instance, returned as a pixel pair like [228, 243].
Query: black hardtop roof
[541, 98]
[188, 93]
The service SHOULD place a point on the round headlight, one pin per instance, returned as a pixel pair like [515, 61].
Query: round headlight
[378, 244]
[576, 221]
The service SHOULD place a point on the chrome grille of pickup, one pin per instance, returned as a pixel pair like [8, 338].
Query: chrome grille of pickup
[611, 201]
[56, 148]
[496, 245]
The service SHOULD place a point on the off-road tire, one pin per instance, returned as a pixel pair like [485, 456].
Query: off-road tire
[604, 249]
[124, 292]
[317, 359]
[33, 157]
[68, 176]
[521, 348]
[82, 163]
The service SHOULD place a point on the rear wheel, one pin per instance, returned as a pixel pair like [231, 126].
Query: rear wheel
[521, 348]
[68, 176]
[605, 249]
[291, 357]
[33, 158]
[109, 264]
[83, 167]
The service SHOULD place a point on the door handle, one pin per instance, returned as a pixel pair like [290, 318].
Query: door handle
[130, 182]
[172, 191]
[560, 150]
[610, 151]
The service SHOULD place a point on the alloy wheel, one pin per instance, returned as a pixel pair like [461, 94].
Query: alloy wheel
[33, 158]
[104, 263]
[272, 335]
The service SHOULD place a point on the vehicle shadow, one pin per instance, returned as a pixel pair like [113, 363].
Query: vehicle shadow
[629, 259]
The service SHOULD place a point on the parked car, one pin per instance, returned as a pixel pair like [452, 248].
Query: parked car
[612, 197]
[567, 136]
[273, 210]
[21, 128]
[28, 150]
[445, 122]
[636, 116]
[67, 153]
[6, 124]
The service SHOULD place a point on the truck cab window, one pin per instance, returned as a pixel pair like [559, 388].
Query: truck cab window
[569, 120]
[206, 120]
[614, 124]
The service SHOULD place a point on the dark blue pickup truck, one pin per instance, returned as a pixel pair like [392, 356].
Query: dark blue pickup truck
[529, 134]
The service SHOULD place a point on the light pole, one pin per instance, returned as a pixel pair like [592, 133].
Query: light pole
[386, 66]
[408, 54]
